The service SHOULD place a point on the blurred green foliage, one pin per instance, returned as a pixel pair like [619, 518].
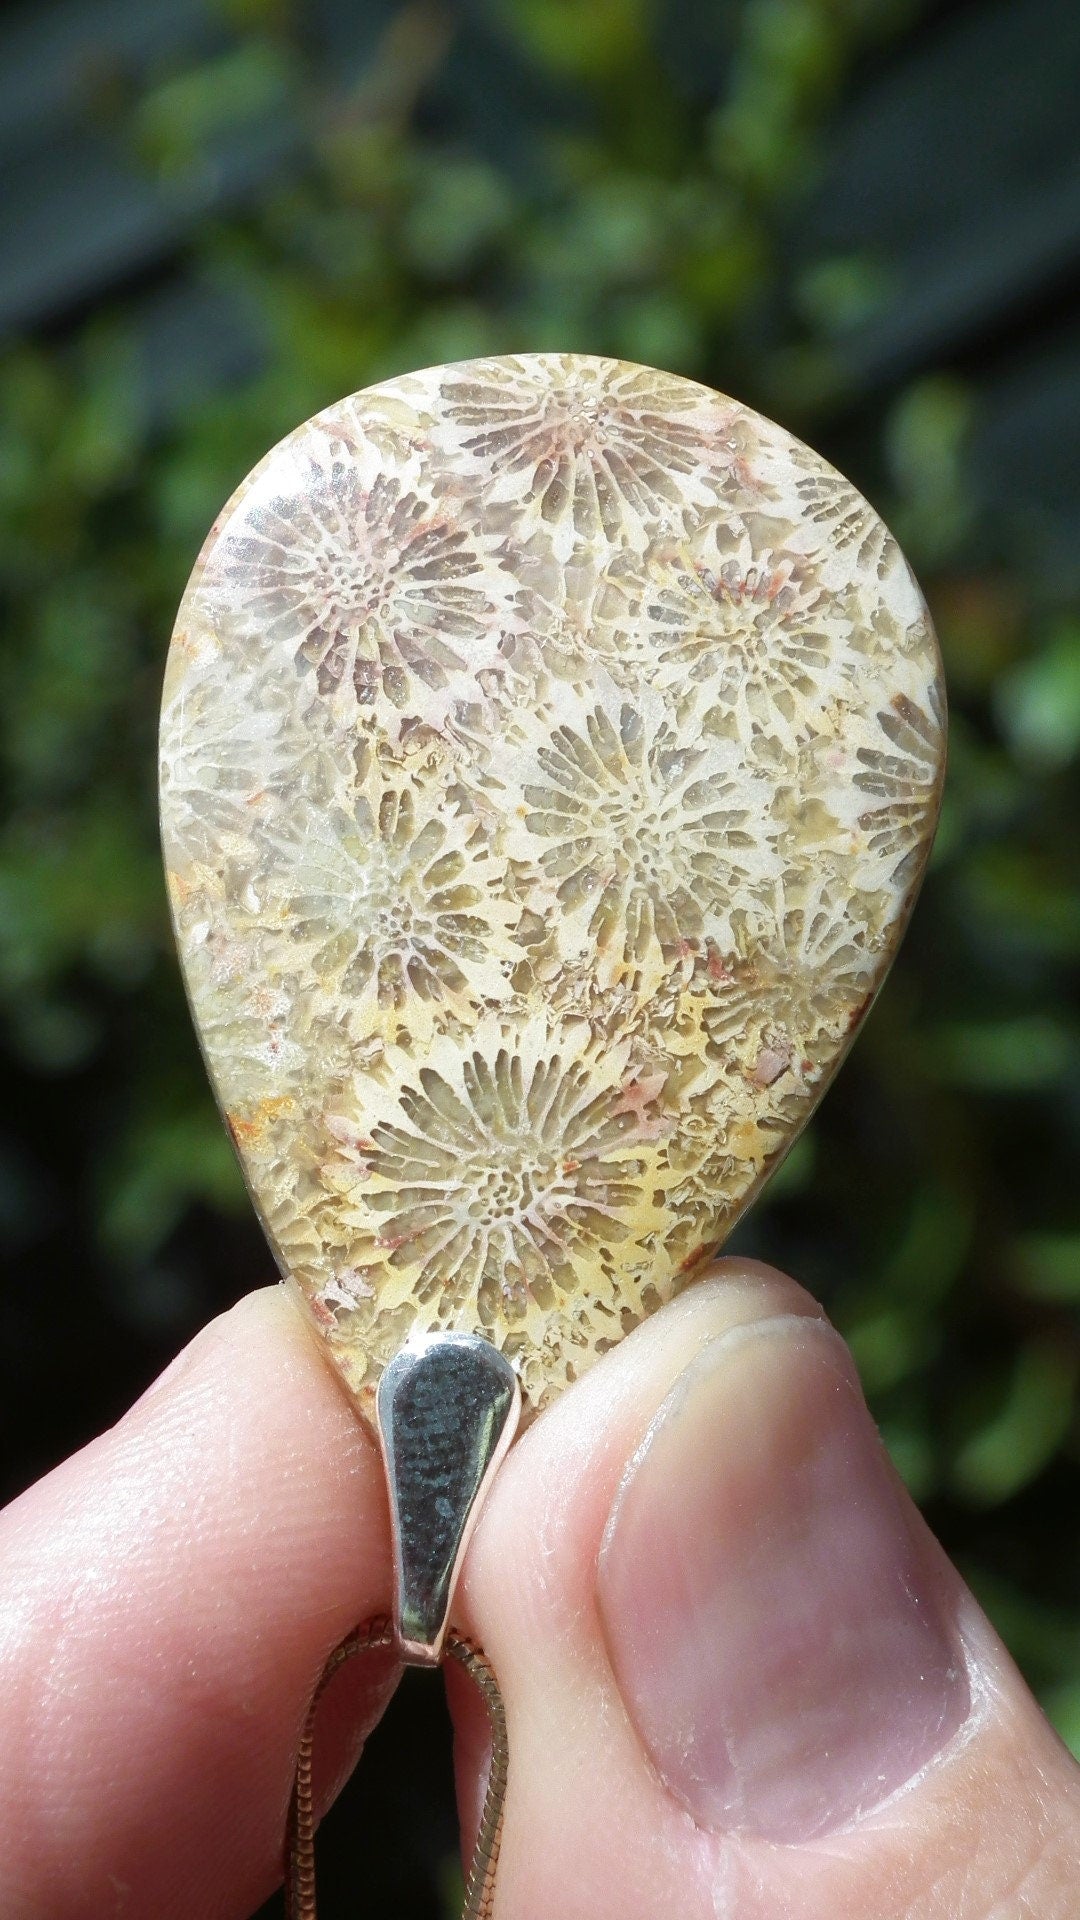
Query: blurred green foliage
[616, 205]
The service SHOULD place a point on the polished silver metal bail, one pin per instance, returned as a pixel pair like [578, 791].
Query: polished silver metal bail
[448, 1406]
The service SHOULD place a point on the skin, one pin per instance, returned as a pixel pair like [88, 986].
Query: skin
[169, 1595]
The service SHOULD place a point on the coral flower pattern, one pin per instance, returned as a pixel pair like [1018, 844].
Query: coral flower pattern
[732, 607]
[384, 903]
[590, 445]
[647, 832]
[898, 776]
[369, 584]
[551, 750]
[512, 1176]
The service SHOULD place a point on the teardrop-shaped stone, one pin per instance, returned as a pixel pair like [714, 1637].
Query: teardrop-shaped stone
[551, 749]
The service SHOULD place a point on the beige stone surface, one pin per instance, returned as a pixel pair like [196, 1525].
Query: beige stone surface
[550, 752]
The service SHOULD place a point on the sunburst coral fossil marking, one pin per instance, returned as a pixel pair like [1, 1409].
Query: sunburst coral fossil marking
[904, 778]
[510, 1176]
[647, 833]
[367, 581]
[733, 609]
[784, 1004]
[224, 763]
[844, 520]
[391, 897]
[595, 445]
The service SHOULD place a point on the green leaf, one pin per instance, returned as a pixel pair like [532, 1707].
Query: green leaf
[460, 211]
[164, 1163]
[1011, 1448]
[588, 42]
[1022, 1055]
[1047, 1266]
[174, 122]
[1038, 702]
[888, 1346]
[926, 445]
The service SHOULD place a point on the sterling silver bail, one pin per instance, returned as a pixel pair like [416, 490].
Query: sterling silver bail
[447, 1407]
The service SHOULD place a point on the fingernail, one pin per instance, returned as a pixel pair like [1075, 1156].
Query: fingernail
[776, 1622]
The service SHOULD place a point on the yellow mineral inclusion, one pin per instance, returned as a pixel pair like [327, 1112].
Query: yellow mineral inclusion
[550, 753]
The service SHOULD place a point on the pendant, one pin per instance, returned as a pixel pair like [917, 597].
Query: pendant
[550, 754]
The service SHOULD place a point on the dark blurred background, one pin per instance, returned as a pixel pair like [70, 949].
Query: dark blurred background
[861, 216]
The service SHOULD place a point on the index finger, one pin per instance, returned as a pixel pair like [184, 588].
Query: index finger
[167, 1600]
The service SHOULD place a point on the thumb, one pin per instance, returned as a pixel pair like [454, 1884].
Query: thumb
[741, 1678]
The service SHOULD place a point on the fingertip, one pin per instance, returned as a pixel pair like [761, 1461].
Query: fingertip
[180, 1583]
[733, 1658]
[737, 1270]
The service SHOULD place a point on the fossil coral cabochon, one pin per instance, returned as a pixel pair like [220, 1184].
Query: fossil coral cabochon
[550, 751]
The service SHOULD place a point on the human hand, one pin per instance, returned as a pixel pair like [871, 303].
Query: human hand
[741, 1678]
